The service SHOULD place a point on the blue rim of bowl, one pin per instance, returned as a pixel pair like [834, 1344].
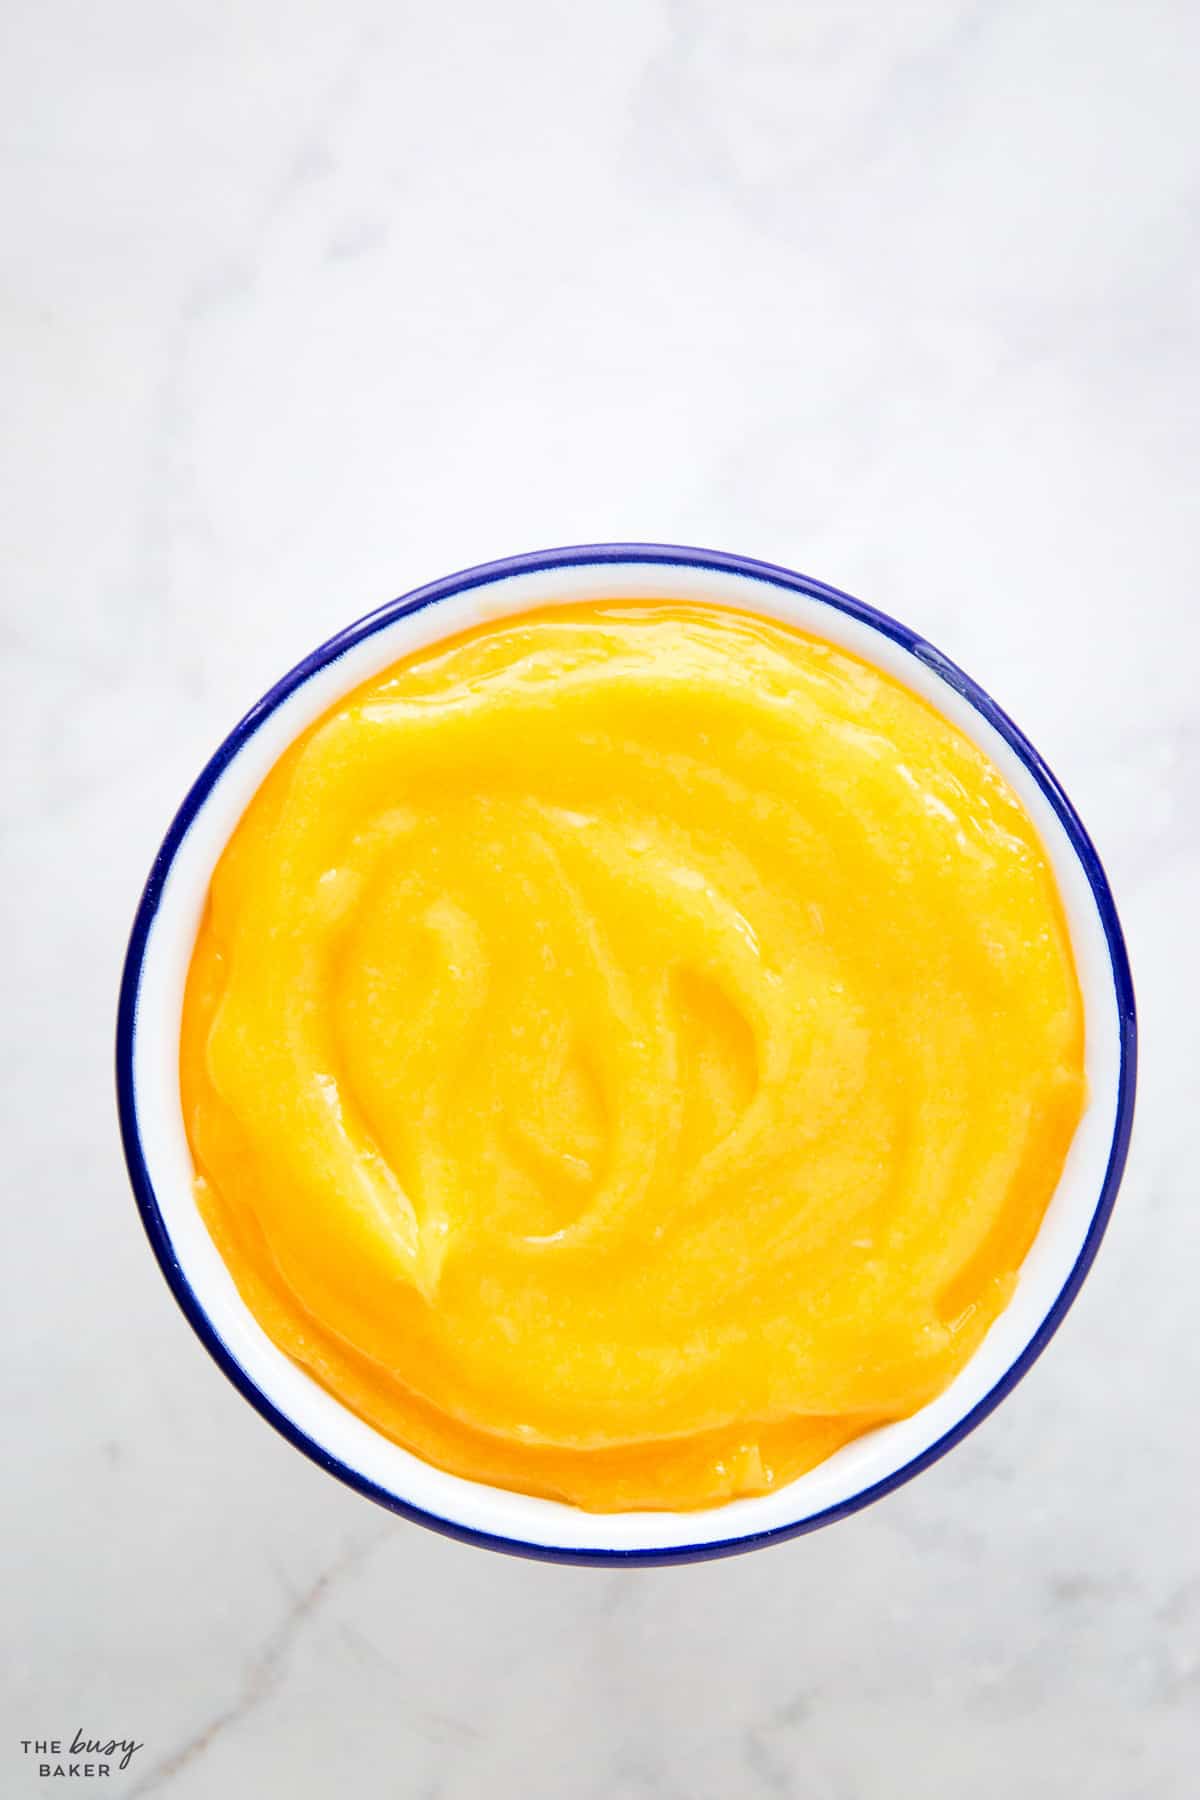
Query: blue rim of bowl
[567, 557]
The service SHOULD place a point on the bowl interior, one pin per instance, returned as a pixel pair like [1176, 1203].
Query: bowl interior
[158, 1151]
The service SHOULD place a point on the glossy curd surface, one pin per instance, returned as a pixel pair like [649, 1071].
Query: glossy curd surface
[628, 1052]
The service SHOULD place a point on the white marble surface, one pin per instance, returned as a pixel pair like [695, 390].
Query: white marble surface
[306, 303]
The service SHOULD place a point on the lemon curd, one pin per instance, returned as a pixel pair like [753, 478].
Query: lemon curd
[628, 1051]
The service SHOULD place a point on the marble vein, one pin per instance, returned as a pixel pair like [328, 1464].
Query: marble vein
[263, 1674]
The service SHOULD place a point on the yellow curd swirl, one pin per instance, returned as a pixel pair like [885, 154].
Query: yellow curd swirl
[628, 1052]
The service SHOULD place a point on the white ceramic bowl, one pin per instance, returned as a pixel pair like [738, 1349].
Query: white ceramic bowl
[157, 1152]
